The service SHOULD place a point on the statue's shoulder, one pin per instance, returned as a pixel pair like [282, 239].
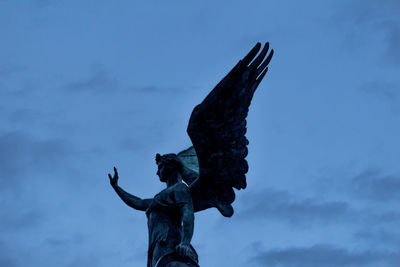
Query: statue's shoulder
[181, 192]
[180, 186]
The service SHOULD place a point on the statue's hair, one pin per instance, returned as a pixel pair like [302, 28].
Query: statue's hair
[171, 161]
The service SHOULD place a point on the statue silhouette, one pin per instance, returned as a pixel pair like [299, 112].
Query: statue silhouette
[204, 175]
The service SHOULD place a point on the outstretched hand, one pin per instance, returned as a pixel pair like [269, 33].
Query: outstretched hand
[114, 179]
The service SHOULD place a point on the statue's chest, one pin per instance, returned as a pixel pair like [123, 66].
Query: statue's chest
[164, 223]
[166, 196]
[165, 203]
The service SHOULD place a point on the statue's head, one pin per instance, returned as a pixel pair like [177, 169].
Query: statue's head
[167, 164]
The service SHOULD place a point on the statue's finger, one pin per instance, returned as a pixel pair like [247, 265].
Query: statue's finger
[115, 170]
[109, 176]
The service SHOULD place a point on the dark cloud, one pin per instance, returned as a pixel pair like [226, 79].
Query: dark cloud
[382, 237]
[376, 185]
[62, 242]
[280, 205]
[133, 144]
[161, 90]
[98, 81]
[367, 11]
[392, 52]
[8, 261]
[83, 262]
[22, 156]
[43, 3]
[389, 217]
[10, 70]
[386, 90]
[366, 17]
[25, 117]
[323, 255]
[7, 255]
[8, 76]
[17, 220]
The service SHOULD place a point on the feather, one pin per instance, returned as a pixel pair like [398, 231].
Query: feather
[216, 163]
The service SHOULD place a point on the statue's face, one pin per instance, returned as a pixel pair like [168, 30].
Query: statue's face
[161, 171]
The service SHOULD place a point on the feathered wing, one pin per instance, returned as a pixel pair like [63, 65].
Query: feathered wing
[217, 129]
[190, 165]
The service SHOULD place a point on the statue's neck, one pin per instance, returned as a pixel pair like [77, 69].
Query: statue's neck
[174, 178]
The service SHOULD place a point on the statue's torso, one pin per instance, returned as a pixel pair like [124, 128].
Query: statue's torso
[165, 223]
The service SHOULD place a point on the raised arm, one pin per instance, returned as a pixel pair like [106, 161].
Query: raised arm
[130, 200]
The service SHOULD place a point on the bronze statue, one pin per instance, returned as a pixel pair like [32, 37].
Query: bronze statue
[204, 175]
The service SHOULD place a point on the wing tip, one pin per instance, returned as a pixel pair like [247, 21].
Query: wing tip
[225, 209]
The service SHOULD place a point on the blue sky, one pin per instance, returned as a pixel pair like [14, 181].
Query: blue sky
[88, 85]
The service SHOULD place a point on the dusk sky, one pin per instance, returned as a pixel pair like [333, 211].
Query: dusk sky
[88, 85]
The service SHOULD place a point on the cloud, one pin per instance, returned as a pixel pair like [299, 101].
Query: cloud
[17, 220]
[10, 75]
[98, 81]
[84, 261]
[367, 11]
[22, 156]
[10, 70]
[392, 52]
[380, 236]
[387, 217]
[365, 18]
[62, 242]
[376, 185]
[163, 90]
[103, 81]
[281, 206]
[7, 259]
[43, 3]
[386, 90]
[323, 255]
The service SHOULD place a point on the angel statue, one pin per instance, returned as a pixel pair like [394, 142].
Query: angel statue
[204, 175]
